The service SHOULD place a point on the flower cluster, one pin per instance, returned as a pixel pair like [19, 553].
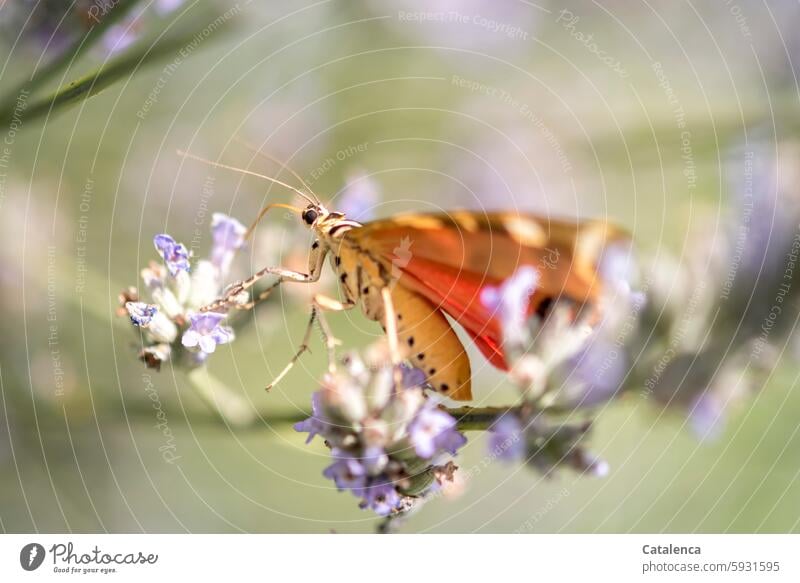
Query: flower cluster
[725, 314]
[566, 357]
[52, 24]
[569, 355]
[544, 445]
[171, 318]
[390, 442]
[136, 24]
[712, 328]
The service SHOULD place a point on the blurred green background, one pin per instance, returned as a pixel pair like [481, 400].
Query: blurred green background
[440, 113]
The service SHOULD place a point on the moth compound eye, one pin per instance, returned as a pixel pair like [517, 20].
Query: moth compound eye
[309, 216]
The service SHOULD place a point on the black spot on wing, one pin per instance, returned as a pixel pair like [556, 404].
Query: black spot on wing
[544, 307]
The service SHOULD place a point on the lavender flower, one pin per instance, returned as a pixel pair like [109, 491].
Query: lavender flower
[506, 439]
[593, 375]
[359, 197]
[387, 440]
[135, 25]
[706, 416]
[121, 36]
[174, 254]
[206, 332]
[346, 472]
[228, 236]
[167, 6]
[574, 356]
[738, 301]
[175, 298]
[315, 424]
[511, 299]
[141, 314]
[382, 498]
[545, 446]
[433, 430]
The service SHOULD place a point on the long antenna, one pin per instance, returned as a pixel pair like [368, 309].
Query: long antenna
[279, 162]
[251, 173]
[264, 211]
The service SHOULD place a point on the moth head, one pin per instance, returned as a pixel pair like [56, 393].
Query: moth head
[316, 216]
[312, 214]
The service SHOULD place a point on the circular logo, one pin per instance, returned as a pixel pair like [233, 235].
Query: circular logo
[31, 556]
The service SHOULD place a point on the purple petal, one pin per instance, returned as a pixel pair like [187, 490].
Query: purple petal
[207, 344]
[346, 472]
[382, 498]
[174, 254]
[433, 430]
[413, 377]
[190, 339]
[511, 300]
[359, 197]
[506, 440]
[206, 322]
[228, 234]
[206, 333]
[141, 313]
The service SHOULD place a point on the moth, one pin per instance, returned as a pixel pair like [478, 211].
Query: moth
[418, 270]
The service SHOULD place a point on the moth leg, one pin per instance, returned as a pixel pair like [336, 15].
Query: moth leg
[390, 323]
[316, 260]
[321, 304]
[303, 348]
[260, 298]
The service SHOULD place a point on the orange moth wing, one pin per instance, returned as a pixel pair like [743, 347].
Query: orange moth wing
[449, 258]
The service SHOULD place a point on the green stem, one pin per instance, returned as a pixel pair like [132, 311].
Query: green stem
[63, 61]
[232, 408]
[101, 78]
[477, 418]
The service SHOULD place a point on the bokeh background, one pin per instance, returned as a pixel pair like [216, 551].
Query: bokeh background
[566, 108]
